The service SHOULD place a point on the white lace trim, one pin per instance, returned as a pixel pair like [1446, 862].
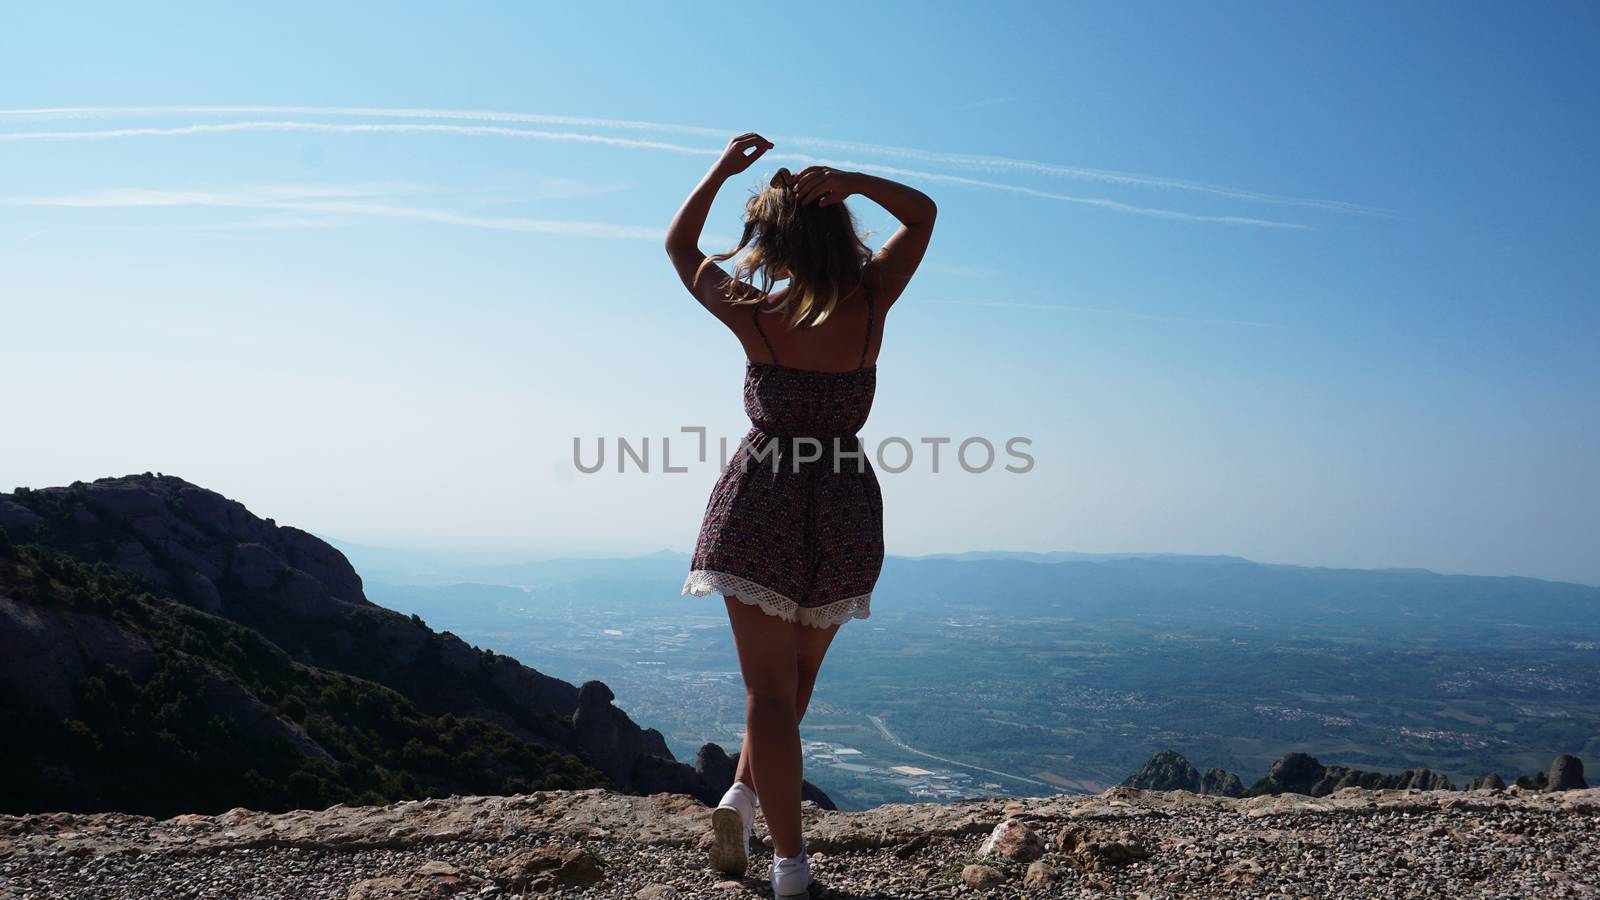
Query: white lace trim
[705, 581]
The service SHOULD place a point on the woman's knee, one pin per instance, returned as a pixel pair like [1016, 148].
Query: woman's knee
[773, 701]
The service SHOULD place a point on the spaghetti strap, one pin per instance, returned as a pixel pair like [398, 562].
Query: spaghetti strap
[872, 316]
[755, 316]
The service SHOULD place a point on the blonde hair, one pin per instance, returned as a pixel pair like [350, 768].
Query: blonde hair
[818, 245]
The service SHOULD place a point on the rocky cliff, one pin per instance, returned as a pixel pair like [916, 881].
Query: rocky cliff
[149, 622]
[1169, 771]
[595, 843]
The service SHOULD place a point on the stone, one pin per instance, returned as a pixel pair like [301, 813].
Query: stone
[1244, 871]
[1091, 849]
[433, 880]
[1014, 839]
[552, 863]
[1039, 874]
[912, 847]
[981, 876]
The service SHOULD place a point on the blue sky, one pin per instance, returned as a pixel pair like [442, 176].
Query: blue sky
[1304, 283]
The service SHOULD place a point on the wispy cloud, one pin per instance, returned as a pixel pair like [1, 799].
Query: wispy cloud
[1100, 202]
[1104, 311]
[260, 223]
[327, 201]
[982, 163]
[243, 195]
[355, 128]
[1032, 167]
[526, 133]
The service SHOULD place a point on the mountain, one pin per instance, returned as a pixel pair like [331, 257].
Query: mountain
[1292, 773]
[1298, 773]
[1169, 771]
[101, 680]
[154, 627]
[1053, 556]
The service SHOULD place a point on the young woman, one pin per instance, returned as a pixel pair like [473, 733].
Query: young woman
[793, 533]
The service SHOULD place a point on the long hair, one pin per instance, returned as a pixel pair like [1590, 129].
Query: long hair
[818, 245]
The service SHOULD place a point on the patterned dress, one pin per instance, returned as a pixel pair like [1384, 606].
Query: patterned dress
[795, 522]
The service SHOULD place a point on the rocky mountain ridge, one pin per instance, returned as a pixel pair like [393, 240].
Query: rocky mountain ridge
[115, 591]
[1298, 773]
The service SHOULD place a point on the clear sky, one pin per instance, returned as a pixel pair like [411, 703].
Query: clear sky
[1309, 283]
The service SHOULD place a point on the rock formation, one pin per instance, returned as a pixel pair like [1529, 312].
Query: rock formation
[1301, 774]
[1169, 771]
[116, 581]
[1566, 774]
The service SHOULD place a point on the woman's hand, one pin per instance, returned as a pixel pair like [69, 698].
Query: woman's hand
[825, 185]
[736, 158]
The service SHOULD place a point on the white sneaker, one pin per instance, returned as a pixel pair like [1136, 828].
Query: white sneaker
[791, 875]
[730, 827]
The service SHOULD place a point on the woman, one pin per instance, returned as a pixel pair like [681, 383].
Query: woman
[793, 533]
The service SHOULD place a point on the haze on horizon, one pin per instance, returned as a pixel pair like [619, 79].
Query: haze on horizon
[1302, 284]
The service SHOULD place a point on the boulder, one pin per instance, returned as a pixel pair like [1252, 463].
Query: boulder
[1092, 849]
[1014, 839]
[1566, 774]
[545, 868]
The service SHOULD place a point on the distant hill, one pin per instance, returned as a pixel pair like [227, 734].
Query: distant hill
[1072, 556]
[156, 629]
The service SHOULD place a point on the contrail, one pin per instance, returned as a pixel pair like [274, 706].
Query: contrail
[1101, 202]
[1032, 167]
[310, 201]
[527, 133]
[351, 128]
[980, 162]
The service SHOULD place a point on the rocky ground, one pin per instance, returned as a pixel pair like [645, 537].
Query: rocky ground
[1121, 843]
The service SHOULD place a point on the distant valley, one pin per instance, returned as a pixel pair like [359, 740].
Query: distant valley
[999, 673]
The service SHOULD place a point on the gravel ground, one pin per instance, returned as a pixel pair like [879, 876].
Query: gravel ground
[1388, 852]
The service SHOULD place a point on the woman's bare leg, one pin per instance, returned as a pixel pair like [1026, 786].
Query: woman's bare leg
[769, 660]
[811, 645]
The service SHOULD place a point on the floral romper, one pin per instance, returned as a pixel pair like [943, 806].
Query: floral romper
[795, 522]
